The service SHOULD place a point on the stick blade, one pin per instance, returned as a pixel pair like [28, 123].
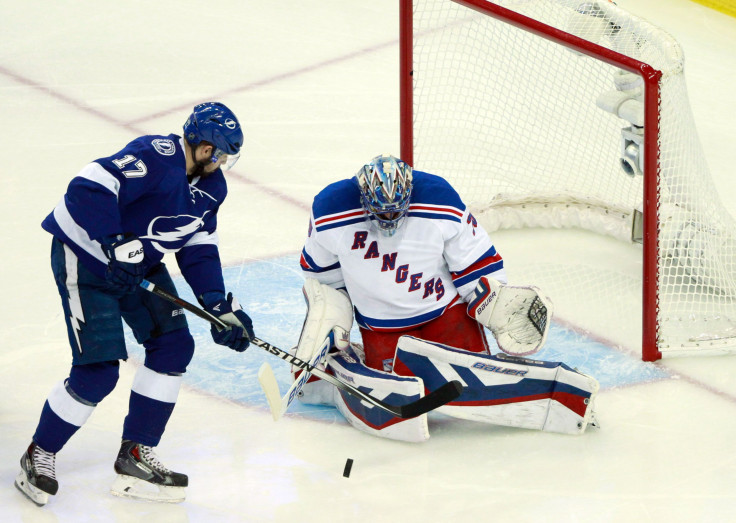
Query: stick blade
[438, 397]
[270, 388]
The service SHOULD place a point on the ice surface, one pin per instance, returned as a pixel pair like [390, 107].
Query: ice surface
[316, 85]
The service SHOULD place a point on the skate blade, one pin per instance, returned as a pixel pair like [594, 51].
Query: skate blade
[39, 497]
[134, 488]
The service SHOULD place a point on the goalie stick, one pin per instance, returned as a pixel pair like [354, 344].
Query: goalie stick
[444, 394]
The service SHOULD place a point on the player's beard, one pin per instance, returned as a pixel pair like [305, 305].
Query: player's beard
[199, 169]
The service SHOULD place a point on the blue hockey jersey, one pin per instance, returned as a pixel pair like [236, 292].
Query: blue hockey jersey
[144, 190]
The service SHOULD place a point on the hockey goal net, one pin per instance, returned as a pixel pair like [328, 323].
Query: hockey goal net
[560, 114]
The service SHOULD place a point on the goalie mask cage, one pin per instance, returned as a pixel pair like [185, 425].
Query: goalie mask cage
[572, 114]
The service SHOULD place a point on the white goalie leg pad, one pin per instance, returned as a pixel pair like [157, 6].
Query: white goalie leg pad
[327, 310]
[315, 391]
[319, 392]
[518, 317]
[503, 390]
[397, 390]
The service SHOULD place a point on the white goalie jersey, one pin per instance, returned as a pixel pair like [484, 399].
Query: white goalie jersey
[398, 282]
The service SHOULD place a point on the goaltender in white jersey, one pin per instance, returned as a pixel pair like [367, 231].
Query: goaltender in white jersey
[424, 278]
[405, 272]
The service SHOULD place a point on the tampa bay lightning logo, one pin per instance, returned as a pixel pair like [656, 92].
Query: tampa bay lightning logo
[170, 233]
[230, 123]
[164, 146]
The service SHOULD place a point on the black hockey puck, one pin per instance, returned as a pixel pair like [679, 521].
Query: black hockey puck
[348, 466]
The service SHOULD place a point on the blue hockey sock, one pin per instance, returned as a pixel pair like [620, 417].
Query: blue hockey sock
[52, 432]
[152, 400]
[62, 415]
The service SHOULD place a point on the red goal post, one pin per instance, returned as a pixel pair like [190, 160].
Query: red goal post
[574, 114]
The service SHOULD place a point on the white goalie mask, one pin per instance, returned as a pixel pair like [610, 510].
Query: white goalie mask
[385, 189]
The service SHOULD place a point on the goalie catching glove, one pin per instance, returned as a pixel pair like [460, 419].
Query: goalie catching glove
[518, 317]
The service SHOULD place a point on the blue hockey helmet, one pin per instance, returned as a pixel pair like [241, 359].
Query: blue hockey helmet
[213, 122]
[385, 189]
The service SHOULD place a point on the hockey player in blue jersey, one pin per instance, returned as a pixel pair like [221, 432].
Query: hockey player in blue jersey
[119, 216]
[423, 279]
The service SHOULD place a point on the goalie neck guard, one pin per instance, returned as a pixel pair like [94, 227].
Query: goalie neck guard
[385, 191]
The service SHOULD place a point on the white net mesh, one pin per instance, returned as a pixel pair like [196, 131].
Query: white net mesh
[532, 134]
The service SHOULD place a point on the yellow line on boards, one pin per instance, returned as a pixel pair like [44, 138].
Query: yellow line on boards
[724, 6]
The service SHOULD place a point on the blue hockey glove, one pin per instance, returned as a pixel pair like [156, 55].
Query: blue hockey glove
[125, 269]
[240, 332]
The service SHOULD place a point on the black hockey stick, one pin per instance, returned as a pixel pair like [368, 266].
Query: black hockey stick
[446, 393]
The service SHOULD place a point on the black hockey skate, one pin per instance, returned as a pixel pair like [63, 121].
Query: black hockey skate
[37, 476]
[141, 475]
